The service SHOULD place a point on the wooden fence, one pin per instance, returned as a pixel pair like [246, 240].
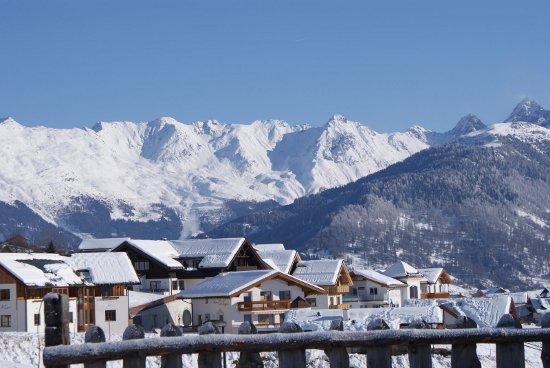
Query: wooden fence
[290, 343]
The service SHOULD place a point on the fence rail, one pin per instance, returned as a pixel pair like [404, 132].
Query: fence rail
[291, 344]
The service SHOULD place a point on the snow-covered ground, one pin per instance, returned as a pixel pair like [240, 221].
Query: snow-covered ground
[22, 350]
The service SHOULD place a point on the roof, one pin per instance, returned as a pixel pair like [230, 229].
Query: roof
[54, 270]
[379, 278]
[486, 312]
[105, 268]
[100, 244]
[269, 247]
[160, 250]
[431, 274]
[319, 272]
[214, 252]
[401, 269]
[40, 269]
[280, 260]
[230, 284]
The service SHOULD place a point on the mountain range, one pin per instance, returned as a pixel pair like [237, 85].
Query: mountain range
[169, 179]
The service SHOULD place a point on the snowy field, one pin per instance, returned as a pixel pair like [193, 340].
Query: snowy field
[22, 350]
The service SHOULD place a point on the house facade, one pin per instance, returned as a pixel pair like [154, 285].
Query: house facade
[371, 289]
[332, 276]
[96, 285]
[436, 285]
[408, 275]
[261, 297]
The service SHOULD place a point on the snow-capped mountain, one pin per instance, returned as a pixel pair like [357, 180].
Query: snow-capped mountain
[530, 111]
[174, 178]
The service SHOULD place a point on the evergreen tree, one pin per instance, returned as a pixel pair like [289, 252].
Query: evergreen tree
[50, 248]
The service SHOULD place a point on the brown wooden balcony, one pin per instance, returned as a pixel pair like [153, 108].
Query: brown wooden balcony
[441, 295]
[339, 289]
[264, 305]
[339, 306]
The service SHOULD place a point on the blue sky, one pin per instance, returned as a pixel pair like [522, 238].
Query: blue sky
[388, 64]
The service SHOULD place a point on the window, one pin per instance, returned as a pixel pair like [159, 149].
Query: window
[281, 317]
[181, 285]
[175, 285]
[354, 291]
[155, 285]
[414, 292]
[71, 317]
[141, 266]
[312, 301]
[110, 315]
[106, 290]
[220, 317]
[284, 295]
[207, 317]
[247, 297]
[266, 295]
[248, 318]
[266, 319]
[5, 321]
[37, 319]
[4, 294]
[373, 291]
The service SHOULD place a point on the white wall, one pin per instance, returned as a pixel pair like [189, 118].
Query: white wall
[118, 303]
[35, 306]
[159, 316]
[9, 307]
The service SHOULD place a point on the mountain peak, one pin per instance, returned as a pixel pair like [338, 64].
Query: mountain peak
[337, 119]
[8, 121]
[529, 111]
[469, 123]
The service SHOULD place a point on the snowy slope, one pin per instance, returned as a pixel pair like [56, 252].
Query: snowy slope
[151, 171]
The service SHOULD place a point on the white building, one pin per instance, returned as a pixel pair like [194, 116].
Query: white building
[371, 289]
[409, 275]
[96, 284]
[260, 297]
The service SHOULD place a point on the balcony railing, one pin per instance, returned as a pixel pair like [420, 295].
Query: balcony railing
[441, 295]
[339, 306]
[340, 289]
[263, 305]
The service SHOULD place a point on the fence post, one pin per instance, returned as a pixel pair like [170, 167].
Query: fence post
[211, 359]
[249, 359]
[545, 355]
[338, 357]
[295, 358]
[464, 355]
[420, 356]
[170, 360]
[56, 318]
[510, 354]
[134, 332]
[378, 356]
[94, 334]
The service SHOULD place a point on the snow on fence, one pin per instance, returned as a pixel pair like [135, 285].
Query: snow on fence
[290, 343]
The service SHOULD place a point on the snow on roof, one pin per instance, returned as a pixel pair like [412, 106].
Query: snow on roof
[519, 298]
[379, 278]
[269, 247]
[357, 319]
[401, 269]
[281, 259]
[97, 244]
[215, 253]
[40, 269]
[160, 250]
[486, 312]
[431, 274]
[225, 284]
[105, 268]
[319, 272]
[495, 290]
[136, 298]
[228, 283]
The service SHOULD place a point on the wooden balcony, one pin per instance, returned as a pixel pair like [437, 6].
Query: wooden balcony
[340, 306]
[441, 295]
[263, 305]
[335, 290]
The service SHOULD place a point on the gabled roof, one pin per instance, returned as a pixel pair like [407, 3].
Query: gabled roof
[54, 270]
[160, 250]
[323, 272]
[486, 312]
[90, 245]
[401, 269]
[40, 269]
[431, 274]
[280, 260]
[215, 253]
[378, 278]
[231, 284]
[105, 268]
